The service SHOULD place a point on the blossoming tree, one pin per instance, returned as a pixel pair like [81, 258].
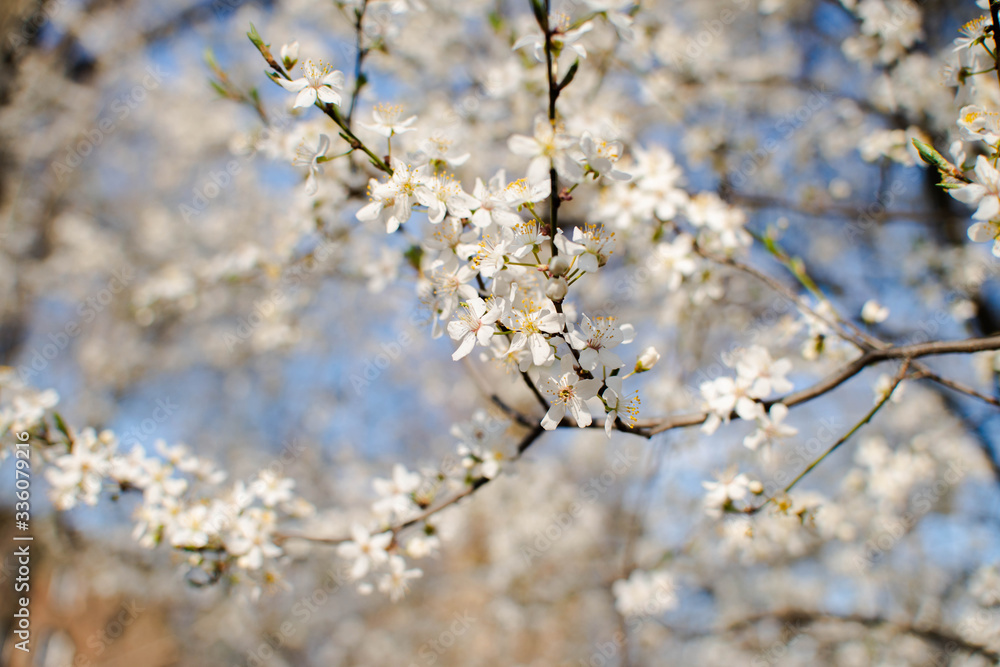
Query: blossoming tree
[600, 332]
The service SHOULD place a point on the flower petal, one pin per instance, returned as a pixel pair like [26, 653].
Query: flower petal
[305, 98]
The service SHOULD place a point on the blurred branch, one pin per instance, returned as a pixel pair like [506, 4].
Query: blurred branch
[474, 486]
[362, 51]
[794, 618]
[826, 209]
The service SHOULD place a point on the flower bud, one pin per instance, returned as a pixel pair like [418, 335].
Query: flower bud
[873, 312]
[289, 55]
[647, 360]
[559, 265]
[556, 289]
[756, 487]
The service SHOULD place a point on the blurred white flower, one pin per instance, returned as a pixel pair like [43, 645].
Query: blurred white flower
[644, 593]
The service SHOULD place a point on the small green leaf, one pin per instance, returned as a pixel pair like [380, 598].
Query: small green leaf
[570, 74]
[219, 89]
[413, 255]
[61, 425]
[209, 57]
[496, 21]
[255, 37]
[542, 16]
[932, 157]
[935, 159]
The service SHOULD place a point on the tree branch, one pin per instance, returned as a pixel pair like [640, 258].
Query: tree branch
[651, 427]
[526, 442]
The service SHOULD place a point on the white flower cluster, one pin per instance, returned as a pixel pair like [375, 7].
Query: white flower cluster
[398, 530]
[892, 474]
[889, 28]
[652, 194]
[23, 407]
[183, 501]
[757, 378]
[722, 494]
[979, 125]
[495, 280]
[644, 593]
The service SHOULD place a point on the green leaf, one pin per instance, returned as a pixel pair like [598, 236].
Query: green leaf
[209, 57]
[542, 16]
[219, 89]
[413, 255]
[61, 425]
[570, 74]
[255, 37]
[496, 21]
[932, 157]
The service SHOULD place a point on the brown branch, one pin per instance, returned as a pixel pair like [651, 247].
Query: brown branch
[534, 390]
[859, 338]
[651, 427]
[800, 617]
[485, 389]
[759, 201]
[554, 90]
[362, 52]
[785, 291]
[955, 385]
[476, 484]
[844, 438]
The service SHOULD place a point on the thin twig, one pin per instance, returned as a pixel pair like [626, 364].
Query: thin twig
[362, 52]
[480, 482]
[859, 338]
[844, 438]
[995, 15]
[794, 618]
[553, 96]
[534, 390]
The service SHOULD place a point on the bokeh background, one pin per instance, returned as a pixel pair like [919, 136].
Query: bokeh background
[120, 162]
